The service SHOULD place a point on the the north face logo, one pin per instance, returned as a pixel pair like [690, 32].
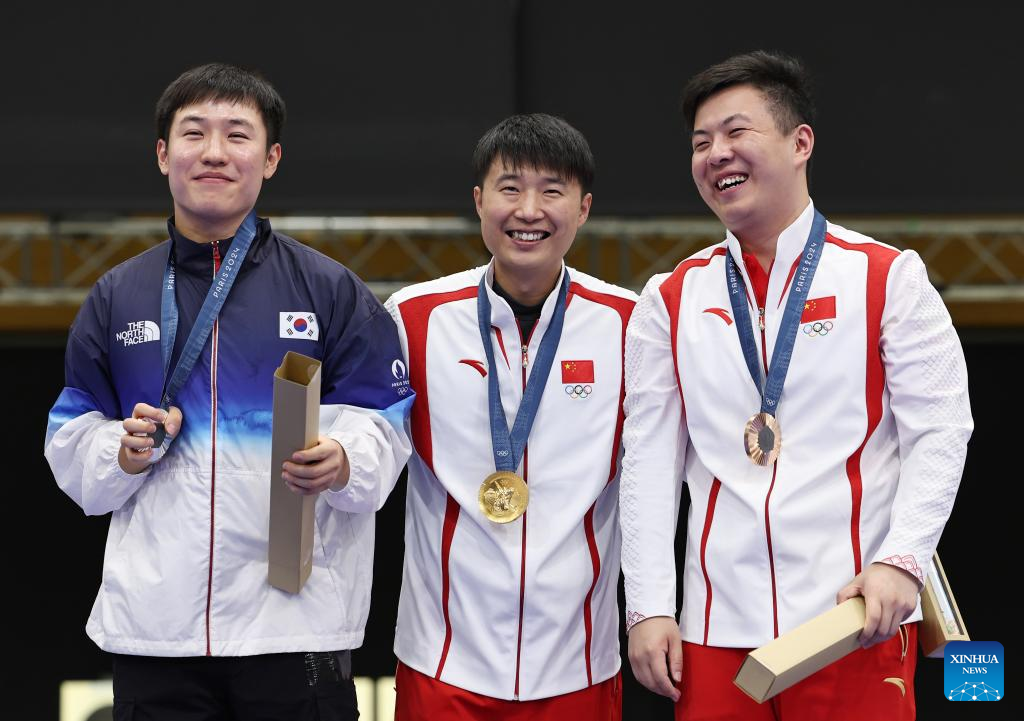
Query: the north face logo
[138, 331]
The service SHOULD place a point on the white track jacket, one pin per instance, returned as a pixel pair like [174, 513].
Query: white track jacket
[875, 420]
[527, 609]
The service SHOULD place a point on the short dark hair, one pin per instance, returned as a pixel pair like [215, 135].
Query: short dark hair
[219, 81]
[538, 141]
[782, 79]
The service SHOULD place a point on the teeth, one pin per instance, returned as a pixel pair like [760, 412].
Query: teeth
[520, 235]
[731, 182]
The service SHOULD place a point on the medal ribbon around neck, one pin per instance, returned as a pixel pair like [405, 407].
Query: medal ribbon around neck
[508, 446]
[771, 387]
[215, 297]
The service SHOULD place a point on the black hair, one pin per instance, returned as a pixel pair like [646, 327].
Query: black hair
[782, 79]
[537, 141]
[219, 81]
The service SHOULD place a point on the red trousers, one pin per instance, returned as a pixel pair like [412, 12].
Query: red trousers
[422, 697]
[871, 683]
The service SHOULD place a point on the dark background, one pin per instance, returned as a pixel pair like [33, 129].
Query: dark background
[919, 113]
[919, 105]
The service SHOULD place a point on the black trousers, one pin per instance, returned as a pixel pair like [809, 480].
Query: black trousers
[271, 687]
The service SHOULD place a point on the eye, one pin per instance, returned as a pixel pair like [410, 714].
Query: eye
[699, 146]
[238, 136]
[736, 132]
[193, 133]
[553, 192]
[508, 189]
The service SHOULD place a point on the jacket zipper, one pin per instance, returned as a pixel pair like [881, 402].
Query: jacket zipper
[764, 344]
[213, 448]
[522, 569]
[775, 469]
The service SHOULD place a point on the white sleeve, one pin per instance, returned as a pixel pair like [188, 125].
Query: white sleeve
[926, 377]
[377, 447]
[82, 453]
[654, 440]
[376, 442]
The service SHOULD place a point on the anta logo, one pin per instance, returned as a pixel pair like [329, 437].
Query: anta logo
[721, 313]
[477, 365]
[138, 331]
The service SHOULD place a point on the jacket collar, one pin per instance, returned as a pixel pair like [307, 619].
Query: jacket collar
[791, 244]
[501, 313]
[197, 258]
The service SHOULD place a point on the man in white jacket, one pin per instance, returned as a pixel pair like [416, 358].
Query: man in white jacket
[806, 383]
[508, 607]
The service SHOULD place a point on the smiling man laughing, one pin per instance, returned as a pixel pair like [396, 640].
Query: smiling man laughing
[508, 607]
[821, 430]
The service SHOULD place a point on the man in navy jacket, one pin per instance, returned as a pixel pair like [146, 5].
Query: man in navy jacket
[184, 603]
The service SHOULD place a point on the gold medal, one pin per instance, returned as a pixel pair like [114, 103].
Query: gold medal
[503, 496]
[763, 439]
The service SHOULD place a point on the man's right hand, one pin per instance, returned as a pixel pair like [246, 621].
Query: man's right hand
[655, 650]
[137, 447]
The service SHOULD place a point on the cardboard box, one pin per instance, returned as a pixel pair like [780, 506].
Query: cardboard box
[296, 427]
[794, 656]
[942, 622]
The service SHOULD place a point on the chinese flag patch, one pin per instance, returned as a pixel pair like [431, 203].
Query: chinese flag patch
[577, 371]
[819, 309]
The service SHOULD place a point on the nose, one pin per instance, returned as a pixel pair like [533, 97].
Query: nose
[529, 208]
[720, 152]
[214, 151]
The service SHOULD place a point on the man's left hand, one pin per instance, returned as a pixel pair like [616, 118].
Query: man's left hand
[314, 470]
[890, 595]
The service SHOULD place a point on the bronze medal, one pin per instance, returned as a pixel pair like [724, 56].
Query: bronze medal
[503, 496]
[763, 439]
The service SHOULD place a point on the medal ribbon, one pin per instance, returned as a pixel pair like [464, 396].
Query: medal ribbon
[508, 447]
[771, 389]
[215, 297]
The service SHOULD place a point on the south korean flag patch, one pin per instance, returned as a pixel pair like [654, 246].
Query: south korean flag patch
[299, 324]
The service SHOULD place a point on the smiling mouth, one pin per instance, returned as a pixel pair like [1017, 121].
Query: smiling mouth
[731, 181]
[530, 236]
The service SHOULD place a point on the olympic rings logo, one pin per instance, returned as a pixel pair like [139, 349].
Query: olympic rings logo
[578, 391]
[818, 328]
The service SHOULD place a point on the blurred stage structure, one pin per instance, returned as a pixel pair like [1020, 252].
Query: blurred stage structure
[47, 266]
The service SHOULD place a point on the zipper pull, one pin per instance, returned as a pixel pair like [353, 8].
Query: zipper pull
[526, 357]
[760, 319]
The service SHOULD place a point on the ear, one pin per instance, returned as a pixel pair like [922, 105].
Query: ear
[478, 200]
[803, 144]
[273, 158]
[584, 210]
[161, 156]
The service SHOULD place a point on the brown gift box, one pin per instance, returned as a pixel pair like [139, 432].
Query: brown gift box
[942, 622]
[810, 647]
[794, 656]
[296, 427]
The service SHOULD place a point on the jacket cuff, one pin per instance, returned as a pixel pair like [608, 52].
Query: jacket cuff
[361, 492]
[907, 562]
[633, 617]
